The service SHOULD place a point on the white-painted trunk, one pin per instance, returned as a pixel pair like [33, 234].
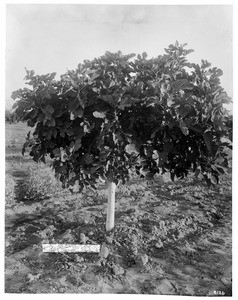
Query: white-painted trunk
[111, 206]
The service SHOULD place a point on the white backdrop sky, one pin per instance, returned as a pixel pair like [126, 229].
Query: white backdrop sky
[56, 37]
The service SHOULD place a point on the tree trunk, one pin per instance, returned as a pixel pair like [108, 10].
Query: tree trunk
[111, 206]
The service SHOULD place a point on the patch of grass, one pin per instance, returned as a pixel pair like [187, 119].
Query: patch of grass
[9, 190]
[40, 184]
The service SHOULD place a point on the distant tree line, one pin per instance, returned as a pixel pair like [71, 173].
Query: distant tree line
[9, 116]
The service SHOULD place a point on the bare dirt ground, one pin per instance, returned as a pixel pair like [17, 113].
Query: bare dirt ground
[170, 238]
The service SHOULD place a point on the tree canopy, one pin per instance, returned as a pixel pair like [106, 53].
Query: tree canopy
[121, 114]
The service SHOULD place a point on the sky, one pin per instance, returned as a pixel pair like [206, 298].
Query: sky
[56, 37]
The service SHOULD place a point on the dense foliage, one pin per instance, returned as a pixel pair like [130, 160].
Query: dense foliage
[115, 115]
